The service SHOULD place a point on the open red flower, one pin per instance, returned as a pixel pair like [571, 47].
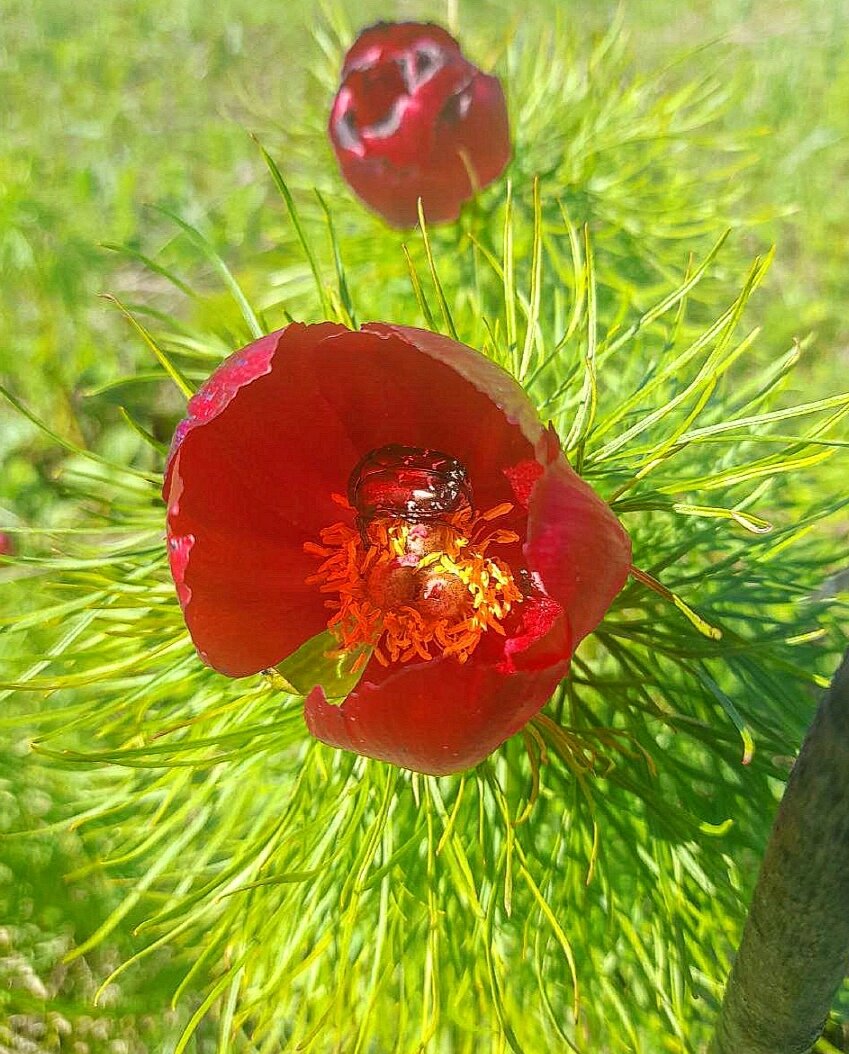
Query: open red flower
[414, 119]
[394, 491]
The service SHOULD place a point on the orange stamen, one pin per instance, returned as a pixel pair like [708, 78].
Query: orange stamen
[416, 591]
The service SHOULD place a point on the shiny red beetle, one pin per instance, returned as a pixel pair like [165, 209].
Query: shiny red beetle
[407, 483]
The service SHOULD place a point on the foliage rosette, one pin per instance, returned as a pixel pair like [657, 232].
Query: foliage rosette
[454, 655]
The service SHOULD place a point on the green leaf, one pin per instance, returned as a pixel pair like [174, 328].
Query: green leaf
[319, 662]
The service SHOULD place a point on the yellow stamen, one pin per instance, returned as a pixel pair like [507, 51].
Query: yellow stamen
[416, 591]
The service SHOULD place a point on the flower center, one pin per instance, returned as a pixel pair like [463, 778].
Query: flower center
[413, 590]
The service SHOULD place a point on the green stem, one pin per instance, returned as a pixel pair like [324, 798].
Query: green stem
[795, 947]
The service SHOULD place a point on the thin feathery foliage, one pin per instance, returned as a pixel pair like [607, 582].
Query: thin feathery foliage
[300, 896]
[642, 157]
[584, 887]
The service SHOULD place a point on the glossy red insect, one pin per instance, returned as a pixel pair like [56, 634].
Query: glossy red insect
[409, 483]
[413, 118]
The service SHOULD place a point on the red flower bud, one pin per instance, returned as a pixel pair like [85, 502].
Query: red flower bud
[396, 491]
[414, 119]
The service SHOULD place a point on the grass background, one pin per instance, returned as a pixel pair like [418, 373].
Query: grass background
[141, 105]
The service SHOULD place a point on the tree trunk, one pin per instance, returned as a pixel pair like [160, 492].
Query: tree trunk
[795, 947]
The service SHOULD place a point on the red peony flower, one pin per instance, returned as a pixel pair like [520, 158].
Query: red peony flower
[414, 119]
[395, 491]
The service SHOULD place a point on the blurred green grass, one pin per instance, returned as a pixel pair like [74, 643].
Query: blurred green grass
[790, 61]
[147, 104]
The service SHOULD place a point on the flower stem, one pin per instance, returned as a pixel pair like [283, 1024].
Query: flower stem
[795, 947]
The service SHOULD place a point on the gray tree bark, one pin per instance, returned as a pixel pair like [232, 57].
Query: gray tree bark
[795, 947]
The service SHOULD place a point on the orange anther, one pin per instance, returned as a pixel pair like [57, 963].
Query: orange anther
[414, 591]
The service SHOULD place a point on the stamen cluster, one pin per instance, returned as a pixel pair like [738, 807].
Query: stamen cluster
[416, 590]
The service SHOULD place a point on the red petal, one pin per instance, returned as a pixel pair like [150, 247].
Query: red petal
[475, 126]
[259, 457]
[396, 384]
[244, 597]
[392, 40]
[577, 545]
[541, 638]
[239, 369]
[523, 478]
[442, 717]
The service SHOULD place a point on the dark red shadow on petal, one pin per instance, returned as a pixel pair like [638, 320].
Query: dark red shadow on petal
[577, 545]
